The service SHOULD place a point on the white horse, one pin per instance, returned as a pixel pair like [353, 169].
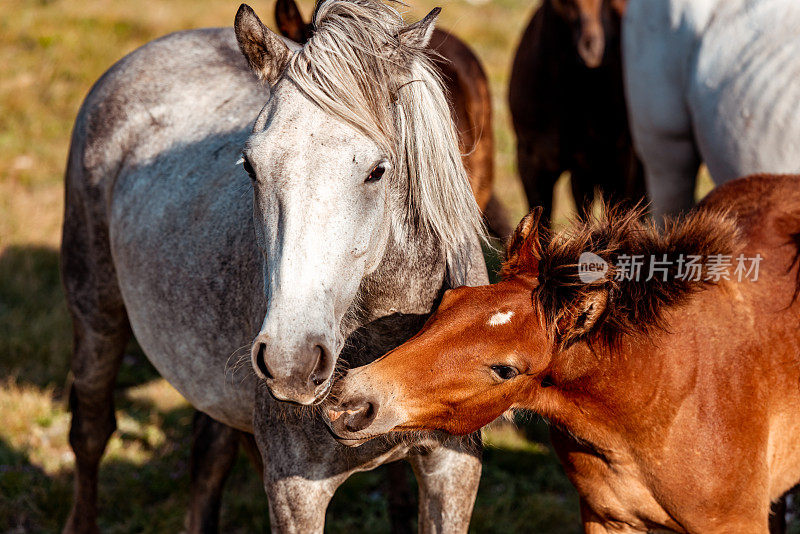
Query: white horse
[714, 81]
[356, 216]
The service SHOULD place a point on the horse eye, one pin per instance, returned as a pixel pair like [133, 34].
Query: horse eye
[504, 372]
[248, 168]
[376, 173]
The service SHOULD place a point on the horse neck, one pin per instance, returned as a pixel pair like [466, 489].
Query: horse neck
[396, 300]
[594, 388]
[555, 30]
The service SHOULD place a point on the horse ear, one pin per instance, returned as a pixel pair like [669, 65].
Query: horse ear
[266, 54]
[524, 249]
[418, 34]
[290, 21]
[582, 316]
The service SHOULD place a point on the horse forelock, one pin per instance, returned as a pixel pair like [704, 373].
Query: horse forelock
[357, 67]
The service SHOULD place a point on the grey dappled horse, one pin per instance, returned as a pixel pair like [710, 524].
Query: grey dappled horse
[356, 216]
[712, 80]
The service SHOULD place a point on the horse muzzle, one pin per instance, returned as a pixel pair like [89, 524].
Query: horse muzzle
[360, 411]
[302, 375]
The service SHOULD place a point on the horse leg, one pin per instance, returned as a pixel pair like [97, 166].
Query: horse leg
[251, 449]
[671, 167]
[95, 363]
[299, 489]
[662, 127]
[100, 332]
[538, 173]
[303, 465]
[214, 450]
[298, 504]
[401, 501]
[583, 185]
[777, 517]
[448, 477]
[620, 177]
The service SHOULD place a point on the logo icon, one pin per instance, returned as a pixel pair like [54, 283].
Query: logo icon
[591, 267]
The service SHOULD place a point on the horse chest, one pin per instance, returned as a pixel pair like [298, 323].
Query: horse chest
[612, 484]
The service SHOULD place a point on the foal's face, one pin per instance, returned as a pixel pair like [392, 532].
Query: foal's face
[474, 359]
[320, 190]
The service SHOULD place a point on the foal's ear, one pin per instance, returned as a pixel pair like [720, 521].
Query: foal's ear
[582, 317]
[266, 54]
[524, 249]
[290, 21]
[418, 34]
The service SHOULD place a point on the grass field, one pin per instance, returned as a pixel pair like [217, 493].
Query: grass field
[51, 51]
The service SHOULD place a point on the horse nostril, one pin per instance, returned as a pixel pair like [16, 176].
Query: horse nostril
[591, 50]
[360, 417]
[317, 381]
[322, 370]
[261, 361]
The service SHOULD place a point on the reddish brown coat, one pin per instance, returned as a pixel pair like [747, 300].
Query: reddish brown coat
[673, 404]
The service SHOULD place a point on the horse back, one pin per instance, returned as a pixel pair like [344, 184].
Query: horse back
[153, 187]
[767, 208]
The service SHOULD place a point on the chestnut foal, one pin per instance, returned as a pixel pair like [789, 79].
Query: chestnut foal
[674, 402]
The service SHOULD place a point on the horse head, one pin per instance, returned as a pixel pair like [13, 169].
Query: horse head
[466, 366]
[343, 169]
[593, 23]
[546, 331]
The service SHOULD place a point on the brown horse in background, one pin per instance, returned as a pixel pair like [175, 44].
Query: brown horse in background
[471, 101]
[674, 401]
[568, 105]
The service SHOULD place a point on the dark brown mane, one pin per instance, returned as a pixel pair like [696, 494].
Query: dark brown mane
[629, 305]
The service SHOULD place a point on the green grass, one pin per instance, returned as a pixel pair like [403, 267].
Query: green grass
[51, 51]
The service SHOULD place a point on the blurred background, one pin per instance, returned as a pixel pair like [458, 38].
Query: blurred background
[51, 52]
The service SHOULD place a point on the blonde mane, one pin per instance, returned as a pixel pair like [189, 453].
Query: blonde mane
[358, 66]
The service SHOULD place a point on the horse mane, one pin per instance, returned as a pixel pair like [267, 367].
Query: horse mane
[632, 306]
[358, 67]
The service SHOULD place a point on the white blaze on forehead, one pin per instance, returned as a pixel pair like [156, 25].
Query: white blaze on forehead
[500, 318]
